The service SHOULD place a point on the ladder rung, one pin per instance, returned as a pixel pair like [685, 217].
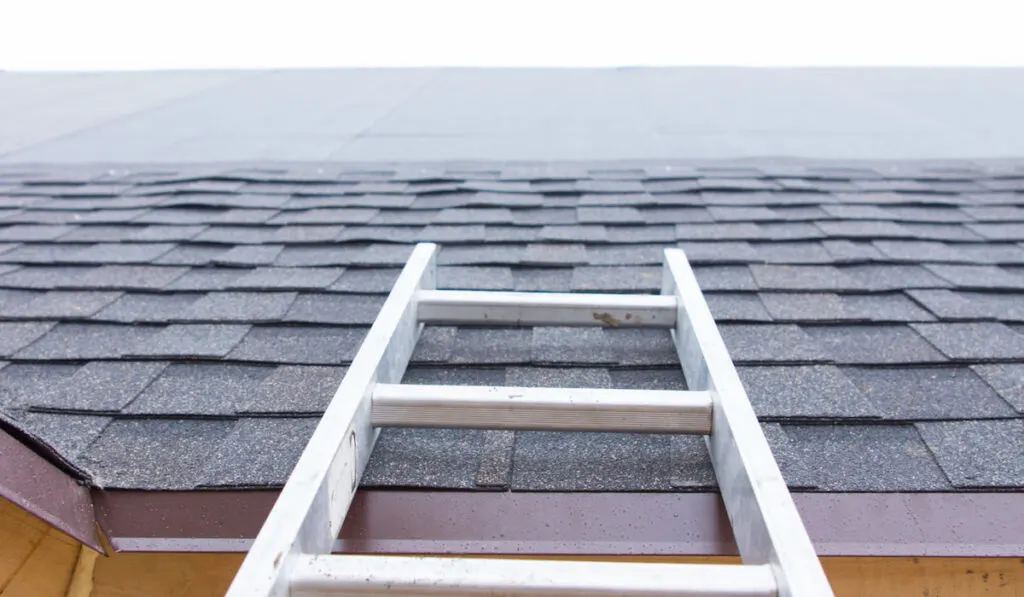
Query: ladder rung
[541, 308]
[413, 576]
[575, 409]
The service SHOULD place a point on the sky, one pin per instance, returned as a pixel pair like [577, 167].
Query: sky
[188, 34]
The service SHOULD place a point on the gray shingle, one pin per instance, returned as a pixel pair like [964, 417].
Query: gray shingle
[334, 309]
[609, 215]
[648, 379]
[59, 304]
[380, 254]
[455, 376]
[739, 307]
[921, 251]
[160, 234]
[641, 234]
[315, 256]
[34, 233]
[801, 277]
[294, 389]
[719, 232]
[441, 233]
[193, 341]
[796, 253]
[809, 392]
[97, 387]
[950, 305]
[983, 454]
[852, 457]
[200, 390]
[122, 252]
[248, 255]
[492, 346]
[81, 341]
[550, 377]
[892, 277]
[480, 215]
[571, 346]
[190, 255]
[730, 213]
[769, 343]
[720, 253]
[548, 461]
[555, 254]
[68, 434]
[21, 383]
[287, 278]
[984, 277]
[258, 452]
[675, 215]
[1007, 380]
[376, 281]
[246, 307]
[434, 458]
[129, 277]
[999, 231]
[207, 279]
[626, 254]
[642, 347]
[544, 217]
[299, 345]
[510, 234]
[929, 393]
[481, 255]
[726, 278]
[822, 307]
[165, 454]
[617, 279]
[948, 232]
[973, 341]
[570, 234]
[873, 344]
[341, 215]
[844, 251]
[16, 336]
[543, 279]
[11, 299]
[388, 234]
[475, 278]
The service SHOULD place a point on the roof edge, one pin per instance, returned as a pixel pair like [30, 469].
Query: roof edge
[450, 522]
[37, 486]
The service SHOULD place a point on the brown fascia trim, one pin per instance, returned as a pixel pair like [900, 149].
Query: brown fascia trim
[35, 485]
[449, 522]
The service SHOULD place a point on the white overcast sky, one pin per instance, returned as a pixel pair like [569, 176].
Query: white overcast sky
[160, 34]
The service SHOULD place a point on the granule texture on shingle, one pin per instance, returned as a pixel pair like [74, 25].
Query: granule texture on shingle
[853, 457]
[69, 434]
[455, 376]
[98, 387]
[62, 304]
[555, 254]
[244, 307]
[193, 341]
[769, 343]
[207, 279]
[75, 341]
[742, 307]
[725, 278]
[978, 453]
[617, 279]
[811, 392]
[434, 458]
[971, 341]
[335, 309]
[494, 346]
[147, 308]
[557, 461]
[299, 345]
[543, 279]
[164, 454]
[474, 278]
[918, 394]
[130, 277]
[295, 389]
[801, 277]
[435, 344]
[259, 452]
[557, 377]
[648, 379]
[571, 345]
[370, 281]
[983, 277]
[874, 344]
[249, 255]
[200, 390]
[17, 335]
[1007, 380]
[287, 278]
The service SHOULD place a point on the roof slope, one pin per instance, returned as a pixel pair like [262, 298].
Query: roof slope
[183, 327]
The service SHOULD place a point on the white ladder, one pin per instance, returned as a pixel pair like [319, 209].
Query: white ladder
[292, 553]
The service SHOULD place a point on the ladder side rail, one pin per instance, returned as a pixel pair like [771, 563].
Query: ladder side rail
[320, 576]
[308, 514]
[765, 521]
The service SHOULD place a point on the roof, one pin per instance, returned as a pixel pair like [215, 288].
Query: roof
[183, 327]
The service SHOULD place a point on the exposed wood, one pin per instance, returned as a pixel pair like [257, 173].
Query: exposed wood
[81, 579]
[36, 560]
[208, 575]
[547, 409]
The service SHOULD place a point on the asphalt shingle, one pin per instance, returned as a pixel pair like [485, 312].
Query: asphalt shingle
[974, 341]
[805, 392]
[200, 390]
[978, 453]
[929, 394]
[873, 345]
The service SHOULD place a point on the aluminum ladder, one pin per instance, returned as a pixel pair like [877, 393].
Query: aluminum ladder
[292, 553]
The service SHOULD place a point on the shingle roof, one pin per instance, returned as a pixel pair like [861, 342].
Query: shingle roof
[183, 327]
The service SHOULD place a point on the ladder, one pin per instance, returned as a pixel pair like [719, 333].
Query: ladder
[291, 555]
